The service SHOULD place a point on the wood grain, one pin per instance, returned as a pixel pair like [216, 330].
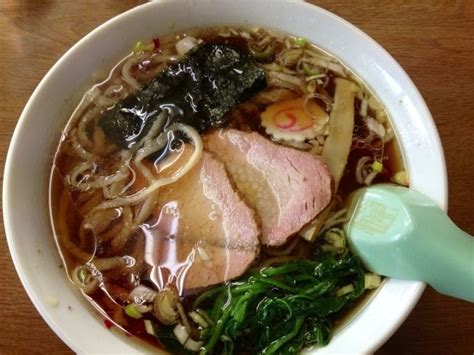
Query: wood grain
[433, 40]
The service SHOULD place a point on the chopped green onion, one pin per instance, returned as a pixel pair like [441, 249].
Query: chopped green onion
[82, 274]
[83, 277]
[139, 47]
[225, 338]
[164, 306]
[262, 53]
[149, 327]
[205, 316]
[315, 76]
[308, 70]
[300, 42]
[254, 30]
[193, 345]
[181, 333]
[345, 290]
[335, 241]
[371, 281]
[401, 178]
[132, 311]
[199, 319]
[377, 166]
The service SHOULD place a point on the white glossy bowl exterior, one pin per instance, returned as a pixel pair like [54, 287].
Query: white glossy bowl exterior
[25, 199]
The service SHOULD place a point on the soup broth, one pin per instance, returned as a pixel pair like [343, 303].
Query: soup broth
[144, 175]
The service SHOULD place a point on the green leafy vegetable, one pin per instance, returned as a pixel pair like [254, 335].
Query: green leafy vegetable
[284, 308]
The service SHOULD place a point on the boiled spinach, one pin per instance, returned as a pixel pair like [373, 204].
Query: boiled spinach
[281, 309]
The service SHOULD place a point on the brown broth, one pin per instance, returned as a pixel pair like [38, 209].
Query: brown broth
[68, 213]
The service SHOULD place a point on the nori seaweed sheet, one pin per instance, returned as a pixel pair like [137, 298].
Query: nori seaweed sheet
[200, 89]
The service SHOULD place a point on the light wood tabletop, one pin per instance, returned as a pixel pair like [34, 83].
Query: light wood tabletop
[433, 40]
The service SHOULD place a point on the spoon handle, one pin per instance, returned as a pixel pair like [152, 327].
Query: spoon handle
[449, 267]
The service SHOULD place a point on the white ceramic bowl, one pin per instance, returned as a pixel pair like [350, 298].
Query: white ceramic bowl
[25, 199]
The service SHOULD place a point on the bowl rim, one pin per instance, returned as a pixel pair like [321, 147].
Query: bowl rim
[417, 288]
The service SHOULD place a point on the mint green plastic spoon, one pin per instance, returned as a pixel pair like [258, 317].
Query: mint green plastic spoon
[401, 233]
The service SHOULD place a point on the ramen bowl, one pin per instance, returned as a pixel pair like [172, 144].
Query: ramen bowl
[25, 199]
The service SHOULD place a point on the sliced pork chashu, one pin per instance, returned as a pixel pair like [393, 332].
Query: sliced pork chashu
[204, 233]
[286, 187]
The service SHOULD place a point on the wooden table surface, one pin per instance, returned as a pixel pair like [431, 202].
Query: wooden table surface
[433, 40]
